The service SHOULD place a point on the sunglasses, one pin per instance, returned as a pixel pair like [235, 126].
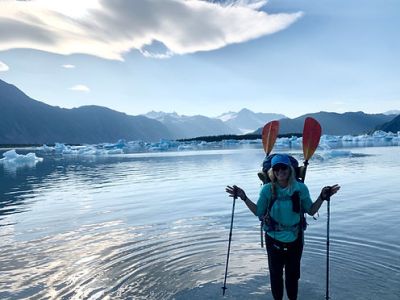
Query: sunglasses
[280, 167]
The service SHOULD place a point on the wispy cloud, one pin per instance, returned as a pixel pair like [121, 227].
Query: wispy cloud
[109, 29]
[80, 88]
[68, 66]
[3, 67]
[253, 4]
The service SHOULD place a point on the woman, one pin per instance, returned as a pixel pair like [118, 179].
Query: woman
[281, 206]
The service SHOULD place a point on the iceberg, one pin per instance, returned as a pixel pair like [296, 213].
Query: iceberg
[11, 159]
[186, 147]
[121, 144]
[336, 153]
[46, 149]
[328, 142]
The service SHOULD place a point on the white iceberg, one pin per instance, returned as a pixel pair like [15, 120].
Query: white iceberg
[336, 153]
[12, 159]
[46, 149]
[327, 142]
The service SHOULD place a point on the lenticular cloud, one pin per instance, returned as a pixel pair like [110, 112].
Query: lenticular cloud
[108, 29]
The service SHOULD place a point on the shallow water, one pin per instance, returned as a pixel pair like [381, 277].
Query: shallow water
[155, 226]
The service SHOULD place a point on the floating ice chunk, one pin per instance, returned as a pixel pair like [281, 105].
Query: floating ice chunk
[164, 145]
[284, 141]
[12, 159]
[336, 153]
[186, 147]
[295, 140]
[229, 143]
[324, 146]
[121, 144]
[115, 151]
[90, 151]
[389, 136]
[360, 138]
[203, 144]
[254, 142]
[327, 142]
[330, 138]
[347, 138]
[63, 149]
[379, 134]
[46, 149]
[136, 146]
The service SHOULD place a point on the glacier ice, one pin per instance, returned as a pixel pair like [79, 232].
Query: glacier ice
[328, 142]
[11, 159]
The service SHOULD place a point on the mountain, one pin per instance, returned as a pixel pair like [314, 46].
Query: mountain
[191, 126]
[27, 121]
[392, 112]
[335, 123]
[246, 121]
[393, 125]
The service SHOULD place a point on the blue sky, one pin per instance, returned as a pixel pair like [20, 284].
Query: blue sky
[197, 57]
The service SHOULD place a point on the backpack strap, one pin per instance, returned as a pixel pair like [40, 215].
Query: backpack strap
[296, 204]
[270, 204]
[272, 201]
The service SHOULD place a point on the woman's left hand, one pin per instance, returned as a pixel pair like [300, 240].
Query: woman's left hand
[328, 191]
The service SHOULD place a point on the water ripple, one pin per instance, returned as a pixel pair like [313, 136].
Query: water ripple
[110, 261]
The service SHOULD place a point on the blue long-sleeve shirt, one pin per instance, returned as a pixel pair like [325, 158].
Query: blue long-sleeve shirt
[282, 209]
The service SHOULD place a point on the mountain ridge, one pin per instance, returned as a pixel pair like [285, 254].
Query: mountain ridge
[24, 120]
[393, 125]
[246, 120]
[190, 126]
[335, 123]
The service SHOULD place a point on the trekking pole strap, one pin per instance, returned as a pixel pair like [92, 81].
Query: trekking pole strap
[262, 234]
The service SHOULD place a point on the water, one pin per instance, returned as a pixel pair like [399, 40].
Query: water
[155, 226]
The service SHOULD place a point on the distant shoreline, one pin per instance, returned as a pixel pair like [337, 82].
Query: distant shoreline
[214, 138]
[218, 138]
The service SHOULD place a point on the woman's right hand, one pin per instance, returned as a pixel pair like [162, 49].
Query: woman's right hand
[236, 191]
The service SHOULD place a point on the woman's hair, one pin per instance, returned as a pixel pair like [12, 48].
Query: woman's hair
[272, 177]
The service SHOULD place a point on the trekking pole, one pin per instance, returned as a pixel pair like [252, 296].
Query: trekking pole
[327, 246]
[229, 243]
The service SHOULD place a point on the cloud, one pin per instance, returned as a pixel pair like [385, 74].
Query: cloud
[3, 67]
[80, 88]
[68, 66]
[253, 4]
[108, 29]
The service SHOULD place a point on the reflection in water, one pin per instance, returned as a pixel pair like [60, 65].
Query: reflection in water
[157, 227]
[179, 260]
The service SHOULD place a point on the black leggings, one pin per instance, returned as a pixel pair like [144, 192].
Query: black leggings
[286, 255]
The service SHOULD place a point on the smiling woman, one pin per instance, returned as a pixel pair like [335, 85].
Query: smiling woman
[281, 206]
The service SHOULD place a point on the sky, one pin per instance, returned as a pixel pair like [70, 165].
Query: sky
[205, 57]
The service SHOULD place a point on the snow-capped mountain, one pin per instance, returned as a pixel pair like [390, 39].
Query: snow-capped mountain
[392, 112]
[241, 122]
[160, 115]
[227, 116]
[191, 126]
[246, 120]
